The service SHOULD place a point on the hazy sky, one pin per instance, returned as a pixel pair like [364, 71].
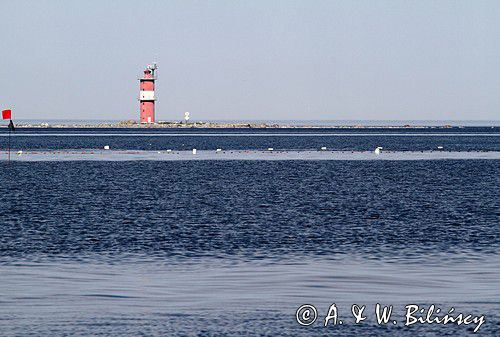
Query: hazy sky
[252, 59]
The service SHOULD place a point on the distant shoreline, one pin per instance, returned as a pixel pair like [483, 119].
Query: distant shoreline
[221, 125]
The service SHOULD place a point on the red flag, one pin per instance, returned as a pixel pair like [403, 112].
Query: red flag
[7, 114]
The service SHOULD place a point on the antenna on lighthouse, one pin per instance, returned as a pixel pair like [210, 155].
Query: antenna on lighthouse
[153, 67]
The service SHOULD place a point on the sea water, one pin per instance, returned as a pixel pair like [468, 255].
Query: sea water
[235, 247]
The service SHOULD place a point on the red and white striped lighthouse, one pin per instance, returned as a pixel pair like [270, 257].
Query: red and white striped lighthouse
[147, 96]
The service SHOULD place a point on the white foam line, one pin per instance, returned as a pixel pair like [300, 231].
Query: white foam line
[251, 134]
[246, 155]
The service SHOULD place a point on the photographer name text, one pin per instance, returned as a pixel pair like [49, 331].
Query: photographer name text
[307, 315]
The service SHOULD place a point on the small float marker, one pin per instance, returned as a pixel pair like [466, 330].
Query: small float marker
[323, 148]
[20, 152]
[440, 147]
[377, 150]
[270, 149]
[194, 151]
[106, 147]
[218, 150]
[169, 150]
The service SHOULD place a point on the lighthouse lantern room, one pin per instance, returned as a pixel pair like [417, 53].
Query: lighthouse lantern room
[147, 96]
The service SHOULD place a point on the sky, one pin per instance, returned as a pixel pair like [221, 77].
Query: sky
[252, 60]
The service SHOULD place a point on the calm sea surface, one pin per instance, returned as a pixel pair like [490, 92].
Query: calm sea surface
[233, 248]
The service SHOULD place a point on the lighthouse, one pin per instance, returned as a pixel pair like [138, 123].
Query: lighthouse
[147, 96]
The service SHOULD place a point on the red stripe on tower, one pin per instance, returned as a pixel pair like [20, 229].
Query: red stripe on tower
[147, 96]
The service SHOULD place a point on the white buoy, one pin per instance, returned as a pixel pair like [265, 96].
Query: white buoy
[194, 151]
[218, 150]
[20, 152]
[169, 150]
[323, 148]
[270, 149]
[377, 150]
[440, 147]
[106, 147]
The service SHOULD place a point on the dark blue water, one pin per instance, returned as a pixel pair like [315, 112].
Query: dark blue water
[405, 139]
[225, 248]
[264, 209]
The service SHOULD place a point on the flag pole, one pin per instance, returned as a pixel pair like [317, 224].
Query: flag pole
[7, 114]
[9, 141]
